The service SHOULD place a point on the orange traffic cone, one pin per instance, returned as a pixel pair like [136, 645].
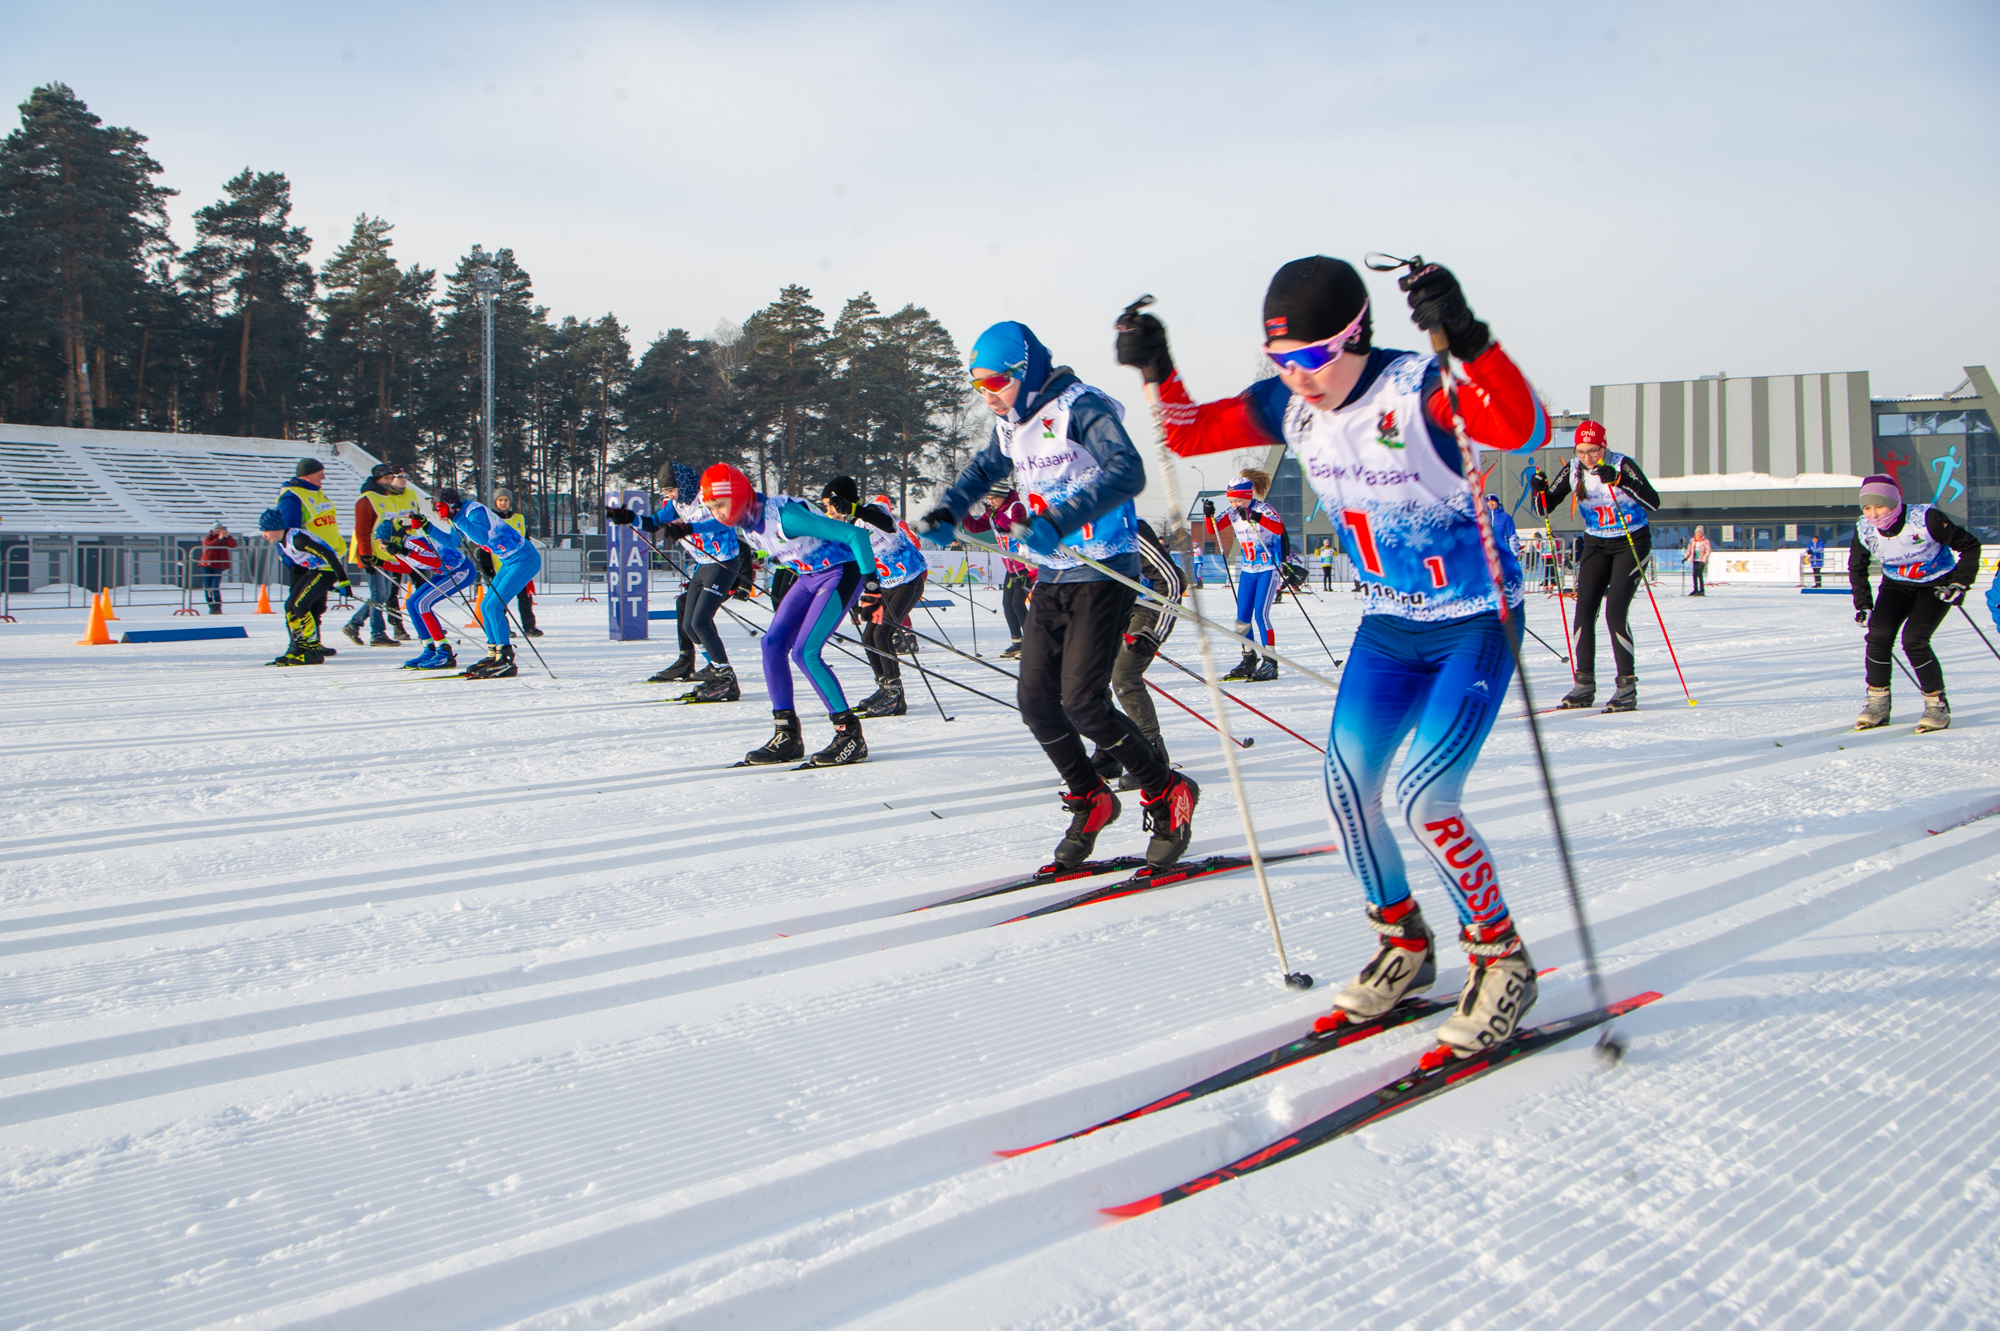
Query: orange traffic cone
[96, 635]
[477, 622]
[105, 596]
[263, 600]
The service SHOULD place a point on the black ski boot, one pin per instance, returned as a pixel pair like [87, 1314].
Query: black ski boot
[721, 686]
[712, 671]
[875, 699]
[1089, 814]
[295, 654]
[888, 702]
[1583, 695]
[1626, 699]
[501, 666]
[481, 669]
[1107, 765]
[1244, 668]
[1170, 818]
[681, 669]
[847, 746]
[1266, 670]
[786, 744]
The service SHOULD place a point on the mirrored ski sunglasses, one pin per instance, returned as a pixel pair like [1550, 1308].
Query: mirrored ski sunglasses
[1319, 355]
[992, 383]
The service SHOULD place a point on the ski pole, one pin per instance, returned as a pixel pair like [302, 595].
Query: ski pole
[929, 689]
[1293, 979]
[1299, 606]
[1239, 743]
[1639, 571]
[1608, 1044]
[1544, 641]
[1244, 705]
[1976, 629]
[837, 639]
[1174, 608]
[1562, 611]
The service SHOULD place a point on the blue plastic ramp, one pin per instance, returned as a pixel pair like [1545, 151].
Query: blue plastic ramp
[202, 634]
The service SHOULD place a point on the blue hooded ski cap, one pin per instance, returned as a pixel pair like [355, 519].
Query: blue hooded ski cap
[1012, 348]
[269, 520]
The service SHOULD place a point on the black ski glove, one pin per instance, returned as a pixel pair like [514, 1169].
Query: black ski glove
[1951, 593]
[1861, 616]
[1143, 645]
[484, 559]
[675, 531]
[1437, 302]
[1607, 473]
[624, 517]
[1142, 344]
[872, 586]
[1208, 511]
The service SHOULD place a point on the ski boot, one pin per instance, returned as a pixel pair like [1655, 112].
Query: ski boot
[500, 667]
[786, 744]
[1013, 652]
[1244, 668]
[1626, 699]
[1089, 814]
[1583, 695]
[1876, 713]
[1499, 989]
[721, 686]
[1130, 780]
[875, 699]
[889, 702]
[681, 669]
[847, 746]
[1266, 670]
[480, 669]
[1405, 962]
[423, 660]
[1169, 816]
[1937, 713]
[1107, 764]
[446, 659]
[294, 655]
[528, 630]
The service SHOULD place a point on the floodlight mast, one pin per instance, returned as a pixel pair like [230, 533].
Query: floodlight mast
[486, 284]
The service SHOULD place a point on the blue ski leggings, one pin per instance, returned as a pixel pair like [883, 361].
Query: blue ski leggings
[1254, 594]
[800, 626]
[1446, 682]
[438, 586]
[516, 571]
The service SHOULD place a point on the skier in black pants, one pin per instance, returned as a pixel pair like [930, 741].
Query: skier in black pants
[1921, 581]
[1614, 496]
[721, 562]
[1145, 633]
[1078, 471]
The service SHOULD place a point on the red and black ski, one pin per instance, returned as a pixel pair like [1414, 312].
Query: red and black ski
[1398, 1095]
[1088, 869]
[1298, 1051]
[1145, 880]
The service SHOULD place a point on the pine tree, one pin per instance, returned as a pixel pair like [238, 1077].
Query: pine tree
[782, 384]
[249, 264]
[81, 221]
[376, 345]
[678, 407]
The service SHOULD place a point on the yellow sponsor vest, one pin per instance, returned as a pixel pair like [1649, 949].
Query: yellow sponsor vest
[386, 503]
[322, 516]
[518, 521]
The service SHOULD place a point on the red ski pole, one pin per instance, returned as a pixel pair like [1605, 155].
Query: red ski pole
[1639, 570]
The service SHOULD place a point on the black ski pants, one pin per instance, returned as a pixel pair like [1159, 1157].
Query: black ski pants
[1700, 567]
[695, 610]
[1074, 633]
[305, 603]
[1607, 575]
[1014, 602]
[1914, 608]
[879, 622]
[1128, 681]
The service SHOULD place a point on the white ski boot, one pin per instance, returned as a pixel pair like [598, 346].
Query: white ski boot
[1405, 962]
[1937, 713]
[1499, 989]
[1876, 713]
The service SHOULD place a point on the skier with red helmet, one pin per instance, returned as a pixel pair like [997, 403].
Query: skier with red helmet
[836, 565]
[1613, 496]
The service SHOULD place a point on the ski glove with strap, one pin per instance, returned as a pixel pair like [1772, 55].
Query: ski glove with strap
[624, 517]
[1951, 593]
[1042, 536]
[1437, 302]
[938, 526]
[1607, 473]
[1142, 344]
[675, 531]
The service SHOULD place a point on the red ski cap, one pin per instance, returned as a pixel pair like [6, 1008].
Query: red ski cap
[728, 484]
[1590, 435]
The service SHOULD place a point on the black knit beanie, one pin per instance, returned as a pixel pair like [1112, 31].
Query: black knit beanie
[1309, 300]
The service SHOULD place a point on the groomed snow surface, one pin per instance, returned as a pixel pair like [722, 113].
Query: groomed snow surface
[335, 997]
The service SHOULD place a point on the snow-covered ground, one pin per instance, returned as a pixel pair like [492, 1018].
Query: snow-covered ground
[337, 997]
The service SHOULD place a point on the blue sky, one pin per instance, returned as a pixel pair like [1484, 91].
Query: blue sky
[1628, 191]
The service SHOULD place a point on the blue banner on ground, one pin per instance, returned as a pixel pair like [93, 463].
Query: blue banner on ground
[627, 569]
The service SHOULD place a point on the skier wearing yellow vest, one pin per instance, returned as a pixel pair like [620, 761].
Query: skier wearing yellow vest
[305, 525]
[503, 507]
[385, 494]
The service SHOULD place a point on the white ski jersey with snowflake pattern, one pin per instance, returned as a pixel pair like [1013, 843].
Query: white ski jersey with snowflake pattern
[1404, 516]
[1260, 545]
[1602, 506]
[1049, 467]
[1912, 554]
[807, 554]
